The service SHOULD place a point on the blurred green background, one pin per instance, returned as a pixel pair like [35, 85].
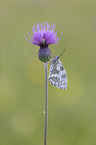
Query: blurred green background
[72, 112]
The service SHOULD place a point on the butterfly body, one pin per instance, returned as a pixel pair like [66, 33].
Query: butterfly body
[57, 74]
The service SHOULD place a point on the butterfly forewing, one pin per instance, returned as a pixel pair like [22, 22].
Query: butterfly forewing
[57, 74]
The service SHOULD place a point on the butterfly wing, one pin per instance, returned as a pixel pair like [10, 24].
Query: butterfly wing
[57, 75]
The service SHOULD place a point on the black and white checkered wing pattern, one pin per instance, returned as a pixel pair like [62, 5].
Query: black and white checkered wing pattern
[57, 75]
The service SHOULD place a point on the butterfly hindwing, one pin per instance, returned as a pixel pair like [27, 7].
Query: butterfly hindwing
[57, 75]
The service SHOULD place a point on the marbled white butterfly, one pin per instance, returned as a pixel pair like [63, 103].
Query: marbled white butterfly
[57, 73]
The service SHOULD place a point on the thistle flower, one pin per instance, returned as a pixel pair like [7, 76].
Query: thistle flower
[43, 36]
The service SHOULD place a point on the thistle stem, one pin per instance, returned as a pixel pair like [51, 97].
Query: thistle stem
[46, 105]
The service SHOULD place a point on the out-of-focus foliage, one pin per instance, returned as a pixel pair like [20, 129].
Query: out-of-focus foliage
[72, 112]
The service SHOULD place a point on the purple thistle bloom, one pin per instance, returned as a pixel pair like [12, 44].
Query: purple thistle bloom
[43, 36]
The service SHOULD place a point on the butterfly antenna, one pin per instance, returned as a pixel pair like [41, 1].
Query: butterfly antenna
[62, 53]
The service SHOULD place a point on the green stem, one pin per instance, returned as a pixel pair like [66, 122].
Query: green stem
[46, 105]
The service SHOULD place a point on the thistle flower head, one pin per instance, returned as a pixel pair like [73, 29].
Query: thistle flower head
[43, 36]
